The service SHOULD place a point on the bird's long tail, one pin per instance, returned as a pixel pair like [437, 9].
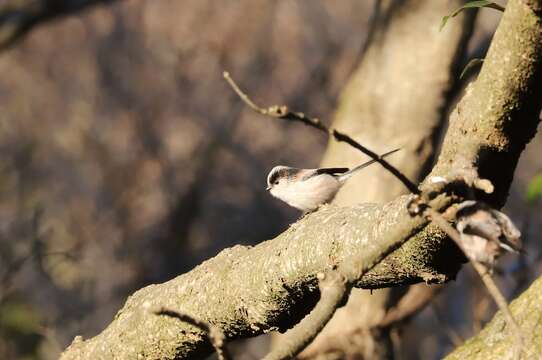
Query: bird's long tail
[352, 171]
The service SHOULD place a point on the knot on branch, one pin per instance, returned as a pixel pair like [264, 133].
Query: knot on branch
[464, 181]
[277, 110]
[417, 206]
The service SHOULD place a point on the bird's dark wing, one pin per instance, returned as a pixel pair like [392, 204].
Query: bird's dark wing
[331, 171]
[307, 174]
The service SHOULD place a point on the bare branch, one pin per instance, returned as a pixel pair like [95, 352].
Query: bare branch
[339, 136]
[276, 111]
[333, 290]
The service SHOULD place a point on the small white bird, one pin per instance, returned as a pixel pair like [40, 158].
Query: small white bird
[307, 189]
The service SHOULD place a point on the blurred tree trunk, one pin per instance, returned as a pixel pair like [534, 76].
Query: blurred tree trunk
[397, 98]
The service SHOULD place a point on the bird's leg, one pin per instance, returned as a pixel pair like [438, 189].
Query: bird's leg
[308, 212]
[305, 213]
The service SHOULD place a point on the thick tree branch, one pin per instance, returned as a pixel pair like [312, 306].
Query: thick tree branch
[247, 291]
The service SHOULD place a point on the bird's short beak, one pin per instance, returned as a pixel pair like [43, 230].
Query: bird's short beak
[268, 188]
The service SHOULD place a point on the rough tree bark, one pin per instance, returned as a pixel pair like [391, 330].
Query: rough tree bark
[395, 99]
[246, 291]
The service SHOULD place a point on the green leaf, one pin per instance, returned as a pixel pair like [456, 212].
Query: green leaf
[534, 189]
[471, 5]
[471, 64]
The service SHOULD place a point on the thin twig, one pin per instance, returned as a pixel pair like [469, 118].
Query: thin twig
[282, 112]
[333, 289]
[386, 165]
[276, 111]
[216, 336]
[492, 288]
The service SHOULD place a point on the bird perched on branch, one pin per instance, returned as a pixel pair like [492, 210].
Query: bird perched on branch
[486, 232]
[307, 189]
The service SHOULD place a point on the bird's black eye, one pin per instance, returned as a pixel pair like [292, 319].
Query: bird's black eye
[276, 182]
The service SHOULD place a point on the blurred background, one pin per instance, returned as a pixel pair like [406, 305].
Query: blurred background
[127, 160]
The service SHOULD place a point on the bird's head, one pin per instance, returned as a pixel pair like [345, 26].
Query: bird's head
[280, 177]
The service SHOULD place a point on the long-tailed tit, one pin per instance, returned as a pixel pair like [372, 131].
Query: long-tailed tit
[307, 189]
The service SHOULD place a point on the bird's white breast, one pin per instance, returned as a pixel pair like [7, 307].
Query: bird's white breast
[307, 195]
